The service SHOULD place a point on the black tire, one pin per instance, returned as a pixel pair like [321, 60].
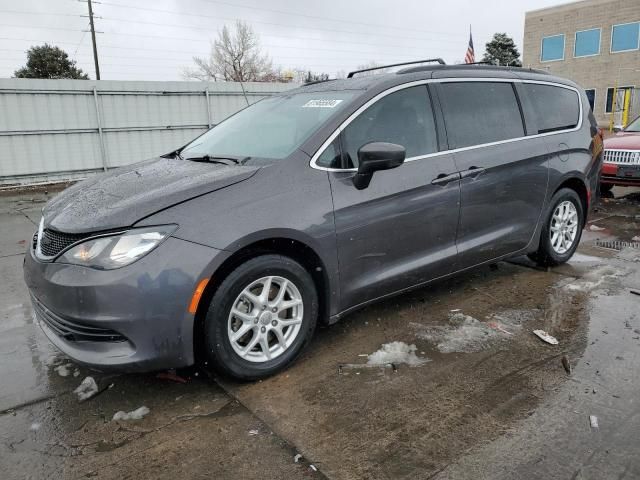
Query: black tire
[606, 187]
[546, 256]
[222, 357]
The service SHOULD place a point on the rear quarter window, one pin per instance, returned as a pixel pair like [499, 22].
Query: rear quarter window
[553, 108]
[476, 113]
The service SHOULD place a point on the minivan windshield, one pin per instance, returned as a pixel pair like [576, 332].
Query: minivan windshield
[271, 128]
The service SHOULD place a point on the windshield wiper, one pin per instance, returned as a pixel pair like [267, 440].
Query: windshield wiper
[224, 159]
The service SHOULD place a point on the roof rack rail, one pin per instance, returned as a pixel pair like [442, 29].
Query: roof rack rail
[430, 60]
[484, 62]
[313, 82]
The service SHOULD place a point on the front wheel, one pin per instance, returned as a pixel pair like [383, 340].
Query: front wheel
[261, 317]
[562, 229]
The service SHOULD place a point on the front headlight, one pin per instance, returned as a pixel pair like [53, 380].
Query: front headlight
[114, 251]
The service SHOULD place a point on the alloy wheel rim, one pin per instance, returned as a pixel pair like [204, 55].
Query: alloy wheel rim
[564, 227]
[265, 319]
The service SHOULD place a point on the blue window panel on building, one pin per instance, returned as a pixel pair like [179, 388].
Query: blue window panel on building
[552, 48]
[625, 37]
[587, 43]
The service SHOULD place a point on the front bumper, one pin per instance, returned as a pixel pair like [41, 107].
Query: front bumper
[133, 318]
[609, 175]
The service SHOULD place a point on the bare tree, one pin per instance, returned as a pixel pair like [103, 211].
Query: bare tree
[235, 57]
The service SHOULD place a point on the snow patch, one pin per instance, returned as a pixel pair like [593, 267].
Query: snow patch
[396, 353]
[596, 279]
[466, 334]
[87, 389]
[581, 258]
[137, 414]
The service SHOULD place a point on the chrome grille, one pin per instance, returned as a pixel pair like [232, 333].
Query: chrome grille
[622, 157]
[53, 242]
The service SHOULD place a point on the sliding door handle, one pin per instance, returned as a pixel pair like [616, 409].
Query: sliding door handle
[472, 172]
[444, 179]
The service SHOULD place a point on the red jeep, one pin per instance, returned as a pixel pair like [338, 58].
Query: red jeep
[622, 158]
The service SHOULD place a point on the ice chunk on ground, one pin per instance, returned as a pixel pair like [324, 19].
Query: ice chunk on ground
[87, 389]
[63, 370]
[396, 352]
[137, 414]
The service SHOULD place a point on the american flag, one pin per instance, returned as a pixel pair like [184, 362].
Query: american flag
[470, 57]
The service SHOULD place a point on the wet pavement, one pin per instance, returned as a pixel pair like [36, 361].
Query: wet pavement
[481, 396]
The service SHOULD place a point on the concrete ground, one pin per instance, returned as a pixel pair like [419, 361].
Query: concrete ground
[484, 397]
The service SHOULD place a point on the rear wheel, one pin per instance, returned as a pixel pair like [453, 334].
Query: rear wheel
[261, 317]
[562, 229]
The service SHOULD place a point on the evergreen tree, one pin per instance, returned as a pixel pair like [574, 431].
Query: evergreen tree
[502, 50]
[48, 61]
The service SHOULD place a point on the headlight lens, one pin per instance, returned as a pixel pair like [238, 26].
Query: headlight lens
[116, 251]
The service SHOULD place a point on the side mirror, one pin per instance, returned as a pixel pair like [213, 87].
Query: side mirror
[376, 156]
[618, 128]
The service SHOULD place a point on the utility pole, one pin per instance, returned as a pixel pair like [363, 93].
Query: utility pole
[93, 39]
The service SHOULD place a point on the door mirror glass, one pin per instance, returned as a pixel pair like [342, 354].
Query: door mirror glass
[376, 156]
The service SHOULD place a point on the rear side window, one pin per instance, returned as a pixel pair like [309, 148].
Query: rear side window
[554, 108]
[480, 112]
[404, 117]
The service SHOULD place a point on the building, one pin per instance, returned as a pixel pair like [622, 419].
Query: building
[596, 43]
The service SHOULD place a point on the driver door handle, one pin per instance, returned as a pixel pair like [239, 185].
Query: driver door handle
[444, 179]
[472, 172]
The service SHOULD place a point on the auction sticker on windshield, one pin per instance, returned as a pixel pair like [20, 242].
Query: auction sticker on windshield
[321, 103]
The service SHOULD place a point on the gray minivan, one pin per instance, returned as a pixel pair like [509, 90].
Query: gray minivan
[308, 205]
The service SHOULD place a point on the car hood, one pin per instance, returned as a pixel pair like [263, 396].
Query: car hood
[623, 141]
[128, 194]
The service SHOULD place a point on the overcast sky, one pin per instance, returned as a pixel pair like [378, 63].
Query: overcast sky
[156, 39]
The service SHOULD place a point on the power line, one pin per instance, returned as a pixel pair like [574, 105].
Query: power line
[192, 27]
[332, 30]
[360, 52]
[317, 17]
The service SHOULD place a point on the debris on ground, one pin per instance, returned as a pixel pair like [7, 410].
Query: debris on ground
[634, 292]
[593, 420]
[312, 467]
[63, 370]
[396, 353]
[297, 458]
[35, 426]
[171, 376]
[497, 326]
[137, 414]
[595, 228]
[359, 366]
[254, 432]
[87, 389]
[542, 335]
[566, 364]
